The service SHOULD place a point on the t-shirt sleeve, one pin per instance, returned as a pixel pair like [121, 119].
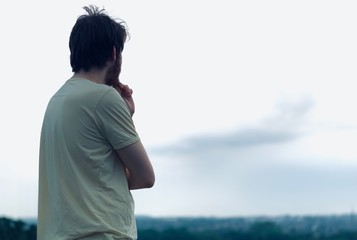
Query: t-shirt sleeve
[114, 120]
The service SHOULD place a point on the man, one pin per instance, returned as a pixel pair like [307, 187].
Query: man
[90, 153]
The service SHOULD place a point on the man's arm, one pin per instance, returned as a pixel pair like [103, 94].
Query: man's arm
[140, 172]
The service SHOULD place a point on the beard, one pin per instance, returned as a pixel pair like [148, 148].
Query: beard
[112, 75]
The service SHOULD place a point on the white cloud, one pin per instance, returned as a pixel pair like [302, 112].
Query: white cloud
[287, 124]
[274, 167]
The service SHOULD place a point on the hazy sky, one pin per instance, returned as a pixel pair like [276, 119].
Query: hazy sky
[245, 107]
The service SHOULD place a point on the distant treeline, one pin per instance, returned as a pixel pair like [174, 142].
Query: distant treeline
[257, 231]
[16, 230]
[11, 229]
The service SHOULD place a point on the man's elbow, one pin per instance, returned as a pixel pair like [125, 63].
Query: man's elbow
[150, 182]
[143, 182]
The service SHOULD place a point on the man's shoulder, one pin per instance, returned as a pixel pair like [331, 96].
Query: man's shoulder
[86, 88]
[86, 84]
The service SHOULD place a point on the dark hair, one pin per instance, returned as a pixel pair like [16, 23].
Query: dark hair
[93, 37]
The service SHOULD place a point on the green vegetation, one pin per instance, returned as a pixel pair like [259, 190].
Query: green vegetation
[16, 230]
[204, 229]
[258, 231]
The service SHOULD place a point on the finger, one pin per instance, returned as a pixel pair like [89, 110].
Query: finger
[126, 90]
[117, 87]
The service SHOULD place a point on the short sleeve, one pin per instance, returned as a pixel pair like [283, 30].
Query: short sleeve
[114, 120]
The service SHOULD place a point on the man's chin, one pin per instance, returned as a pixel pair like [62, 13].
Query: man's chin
[112, 80]
[112, 76]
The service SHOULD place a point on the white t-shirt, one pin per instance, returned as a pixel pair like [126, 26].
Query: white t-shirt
[83, 190]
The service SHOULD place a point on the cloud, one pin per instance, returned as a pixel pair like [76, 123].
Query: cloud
[287, 123]
[261, 169]
[216, 185]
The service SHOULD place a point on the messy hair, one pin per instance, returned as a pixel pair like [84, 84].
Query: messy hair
[93, 37]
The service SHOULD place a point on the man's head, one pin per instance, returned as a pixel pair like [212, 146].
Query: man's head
[96, 39]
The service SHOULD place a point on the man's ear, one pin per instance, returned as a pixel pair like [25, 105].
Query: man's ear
[114, 53]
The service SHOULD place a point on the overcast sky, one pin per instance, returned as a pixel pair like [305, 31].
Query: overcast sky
[245, 107]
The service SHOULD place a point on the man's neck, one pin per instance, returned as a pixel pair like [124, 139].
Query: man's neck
[97, 76]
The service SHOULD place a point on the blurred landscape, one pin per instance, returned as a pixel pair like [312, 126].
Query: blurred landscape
[333, 227]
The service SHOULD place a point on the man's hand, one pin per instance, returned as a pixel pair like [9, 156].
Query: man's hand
[126, 93]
